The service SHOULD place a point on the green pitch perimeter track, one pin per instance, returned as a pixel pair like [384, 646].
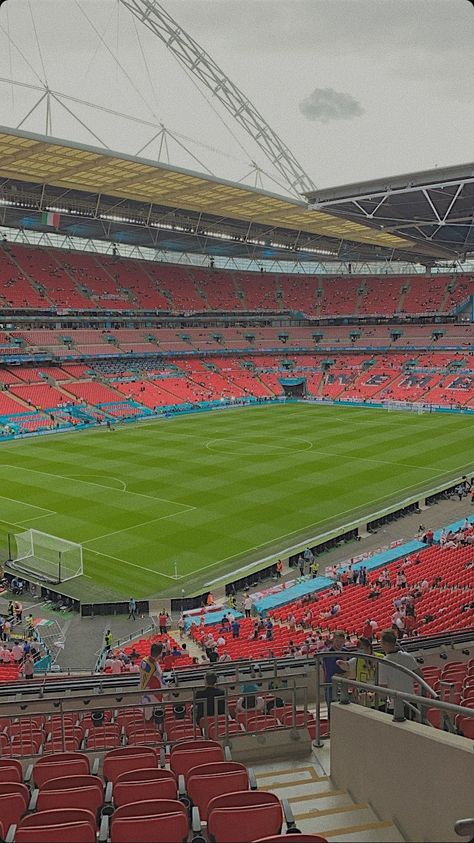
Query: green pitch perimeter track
[205, 495]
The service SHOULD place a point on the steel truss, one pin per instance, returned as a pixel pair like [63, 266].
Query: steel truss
[196, 60]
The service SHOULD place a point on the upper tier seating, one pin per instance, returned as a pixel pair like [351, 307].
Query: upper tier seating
[52, 279]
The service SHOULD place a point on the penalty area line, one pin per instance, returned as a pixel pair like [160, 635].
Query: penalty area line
[135, 526]
[134, 565]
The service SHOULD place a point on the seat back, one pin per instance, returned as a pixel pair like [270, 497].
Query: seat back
[74, 832]
[59, 817]
[88, 798]
[10, 770]
[71, 782]
[210, 780]
[244, 817]
[15, 787]
[146, 790]
[12, 807]
[164, 828]
[59, 765]
[182, 760]
[150, 808]
[126, 758]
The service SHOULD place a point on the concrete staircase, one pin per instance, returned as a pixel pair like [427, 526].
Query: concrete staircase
[401, 300]
[318, 806]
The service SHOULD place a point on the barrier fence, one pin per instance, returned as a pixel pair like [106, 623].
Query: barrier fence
[253, 701]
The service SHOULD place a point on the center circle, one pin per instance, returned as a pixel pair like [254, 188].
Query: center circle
[259, 446]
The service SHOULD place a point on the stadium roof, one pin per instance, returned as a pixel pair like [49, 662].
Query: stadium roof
[114, 196]
[431, 208]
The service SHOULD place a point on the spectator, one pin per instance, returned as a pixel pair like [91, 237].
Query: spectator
[235, 626]
[132, 609]
[389, 676]
[210, 695]
[116, 664]
[424, 586]
[108, 640]
[269, 630]
[29, 626]
[163, 622]
[247, 605]
[360, 669]
[28, 668]
[151, 680]
[17, 652]
[330, 664]
[18, 612]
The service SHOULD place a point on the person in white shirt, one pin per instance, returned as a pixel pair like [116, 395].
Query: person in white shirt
[116, 666]
[389, 675]
[17, 652]
[247, 605]
[7, 656]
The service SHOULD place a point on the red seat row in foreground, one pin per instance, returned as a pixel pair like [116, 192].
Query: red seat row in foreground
[136, 800]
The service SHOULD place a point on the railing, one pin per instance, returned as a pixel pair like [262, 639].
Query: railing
[174, 715]
[271, 681]
[400, 699]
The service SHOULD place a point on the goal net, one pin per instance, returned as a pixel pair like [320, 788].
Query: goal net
[47, 557]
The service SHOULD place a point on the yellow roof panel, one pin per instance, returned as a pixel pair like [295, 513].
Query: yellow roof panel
[65, 165]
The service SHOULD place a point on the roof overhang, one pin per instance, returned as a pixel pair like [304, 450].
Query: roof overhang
[433, 208]
[73, 168]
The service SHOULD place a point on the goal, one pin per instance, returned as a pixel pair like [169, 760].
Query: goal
[47, 557]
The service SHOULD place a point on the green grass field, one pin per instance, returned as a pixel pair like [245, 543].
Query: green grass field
[216, 491]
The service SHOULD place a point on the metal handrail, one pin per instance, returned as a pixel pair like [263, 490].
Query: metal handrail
[400, 695]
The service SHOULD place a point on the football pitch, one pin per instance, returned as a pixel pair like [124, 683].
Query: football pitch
[175, 504]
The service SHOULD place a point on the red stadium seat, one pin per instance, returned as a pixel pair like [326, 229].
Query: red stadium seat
[144, 785]
[466, 727]
[191, 753]
[209, 780]
[10, 770]
[244, 817]
[128, 758]
[434, 716]
[71, 792]
[59, 765]
[13, 804]
[65, 826]
[156, 821]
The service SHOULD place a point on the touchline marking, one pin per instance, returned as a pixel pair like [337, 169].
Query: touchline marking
[134, 565]
[134, 526]
[308, 527]
[89, 483]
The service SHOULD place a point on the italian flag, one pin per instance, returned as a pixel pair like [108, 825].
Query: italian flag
[50, 218]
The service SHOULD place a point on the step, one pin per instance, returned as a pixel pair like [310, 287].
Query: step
[376, 832]
[342, 823]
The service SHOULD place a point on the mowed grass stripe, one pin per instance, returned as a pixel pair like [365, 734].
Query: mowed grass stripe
[154, 495]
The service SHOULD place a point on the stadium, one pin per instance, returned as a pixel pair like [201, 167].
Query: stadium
[236, 429]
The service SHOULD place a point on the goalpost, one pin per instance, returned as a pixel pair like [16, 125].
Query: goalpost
[47, 557]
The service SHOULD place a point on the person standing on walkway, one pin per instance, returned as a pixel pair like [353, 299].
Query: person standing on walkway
[132, 609]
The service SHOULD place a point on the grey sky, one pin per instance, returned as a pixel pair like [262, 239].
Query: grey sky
[409, 63]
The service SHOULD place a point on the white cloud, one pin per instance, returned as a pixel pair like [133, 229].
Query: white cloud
[326, 104]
